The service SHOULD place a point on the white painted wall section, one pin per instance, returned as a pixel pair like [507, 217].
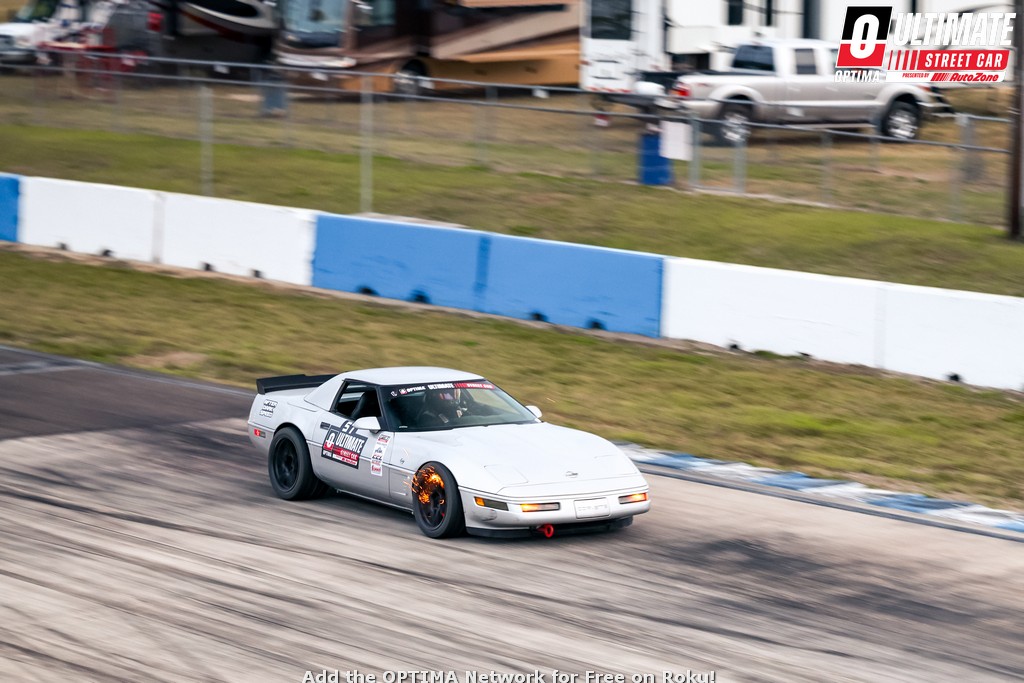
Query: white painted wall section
[762, 309]
[239, 238]
[88, 218]
[939, 332]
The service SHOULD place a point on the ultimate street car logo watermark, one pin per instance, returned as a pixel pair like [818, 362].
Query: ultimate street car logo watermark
[921, 47]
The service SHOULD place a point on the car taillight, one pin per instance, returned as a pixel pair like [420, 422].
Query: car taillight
[155, 22]
[681, 90]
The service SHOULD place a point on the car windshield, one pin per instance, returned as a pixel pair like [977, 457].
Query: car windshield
[447, 405]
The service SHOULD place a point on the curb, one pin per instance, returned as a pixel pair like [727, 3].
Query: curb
[834, 490]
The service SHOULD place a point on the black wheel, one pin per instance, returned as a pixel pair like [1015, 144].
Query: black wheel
[437, 505]
[291, 473]
[733, 126]
[409, 79]
[901, 121]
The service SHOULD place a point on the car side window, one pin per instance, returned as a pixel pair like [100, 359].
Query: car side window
[806, 63]
[353, 398]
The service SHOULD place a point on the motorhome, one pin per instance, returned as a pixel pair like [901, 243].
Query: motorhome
[531, 42]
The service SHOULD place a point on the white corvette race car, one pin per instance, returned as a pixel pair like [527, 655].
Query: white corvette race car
[451, 447]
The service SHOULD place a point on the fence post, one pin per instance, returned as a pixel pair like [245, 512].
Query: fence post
[826, 167]
[739, 165]
[959, 171]
[366, 137]
[206, 139]
[116, 78]
[592, 131]
[694, 168]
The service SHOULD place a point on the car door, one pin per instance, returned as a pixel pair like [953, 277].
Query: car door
[348, 458]
[853, 100]
[807, 90]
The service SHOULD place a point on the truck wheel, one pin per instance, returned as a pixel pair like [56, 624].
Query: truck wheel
[409, 79]
[901, 121]
[733, 126]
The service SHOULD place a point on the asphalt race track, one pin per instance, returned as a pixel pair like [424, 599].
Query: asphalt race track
[140, 540]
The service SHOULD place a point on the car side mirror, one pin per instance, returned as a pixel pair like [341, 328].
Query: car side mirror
[370, 424]
[535, 410]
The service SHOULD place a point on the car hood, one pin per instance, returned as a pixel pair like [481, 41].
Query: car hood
[534, 453]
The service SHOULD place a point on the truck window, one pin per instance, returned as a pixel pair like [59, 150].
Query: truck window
[611, 19]
[805, 62]
[734, 12]
[754, 57]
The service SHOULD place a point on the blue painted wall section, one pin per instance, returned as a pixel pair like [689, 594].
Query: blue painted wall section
[10, 189]
[442, 266]
[574, 284]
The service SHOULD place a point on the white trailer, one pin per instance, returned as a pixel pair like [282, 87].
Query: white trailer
[636, 48]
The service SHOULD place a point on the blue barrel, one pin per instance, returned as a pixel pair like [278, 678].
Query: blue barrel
[652, 168]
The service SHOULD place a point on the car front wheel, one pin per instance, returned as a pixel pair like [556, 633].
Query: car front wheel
[437, 505]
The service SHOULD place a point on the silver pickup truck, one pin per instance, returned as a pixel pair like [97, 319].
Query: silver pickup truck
[793, 82]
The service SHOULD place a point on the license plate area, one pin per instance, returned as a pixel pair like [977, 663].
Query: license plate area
[592, 507]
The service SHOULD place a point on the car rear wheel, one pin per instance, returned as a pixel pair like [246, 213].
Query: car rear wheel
[437, 504]
[291, 472]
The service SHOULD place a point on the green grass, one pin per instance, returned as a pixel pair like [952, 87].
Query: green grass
[857, 244]
[825, 420]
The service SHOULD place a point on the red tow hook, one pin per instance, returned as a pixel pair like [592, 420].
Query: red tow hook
[546, 530]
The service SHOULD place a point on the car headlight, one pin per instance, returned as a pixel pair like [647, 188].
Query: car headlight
[22, 41]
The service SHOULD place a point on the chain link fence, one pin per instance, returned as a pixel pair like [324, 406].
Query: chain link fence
[956, 172]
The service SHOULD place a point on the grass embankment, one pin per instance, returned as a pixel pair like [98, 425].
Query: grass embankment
[824, 420]
[914, 251]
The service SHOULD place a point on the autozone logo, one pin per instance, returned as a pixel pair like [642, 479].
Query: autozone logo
[924, 46]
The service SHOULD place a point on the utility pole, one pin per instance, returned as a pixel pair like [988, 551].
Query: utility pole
[1017, 121]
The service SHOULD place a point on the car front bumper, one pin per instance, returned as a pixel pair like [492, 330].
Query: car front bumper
[580, 511]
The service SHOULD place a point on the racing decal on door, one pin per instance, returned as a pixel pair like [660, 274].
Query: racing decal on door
[377, 459]
[343, 444]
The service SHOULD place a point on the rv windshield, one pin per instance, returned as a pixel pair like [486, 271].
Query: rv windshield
[36, 10]
[314, 23]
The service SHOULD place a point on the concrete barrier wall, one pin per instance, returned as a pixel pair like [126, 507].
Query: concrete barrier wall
[573, 284]
[922, 331]
[938, 333]
[238, 238]
[439, 265]
[88, 218]
[10, 189]
[916, 330]
[784, 312]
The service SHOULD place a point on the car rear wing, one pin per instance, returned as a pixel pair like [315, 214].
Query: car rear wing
[267, 385]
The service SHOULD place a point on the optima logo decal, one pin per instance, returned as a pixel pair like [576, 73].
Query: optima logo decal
[924, 46]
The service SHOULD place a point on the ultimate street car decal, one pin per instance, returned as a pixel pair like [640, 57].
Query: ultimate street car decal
[343, 444]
